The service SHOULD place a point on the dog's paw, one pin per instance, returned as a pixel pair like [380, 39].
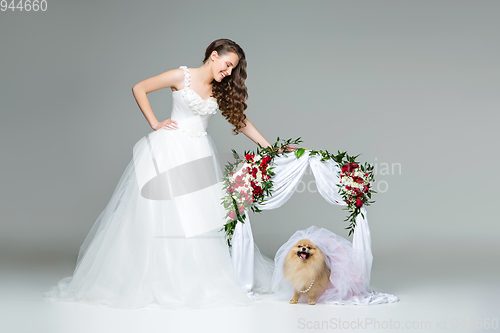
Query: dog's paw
[311, 302]
[292, 301]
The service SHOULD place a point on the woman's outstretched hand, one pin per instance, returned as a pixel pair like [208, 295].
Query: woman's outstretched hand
[288, 149]
[169, 124]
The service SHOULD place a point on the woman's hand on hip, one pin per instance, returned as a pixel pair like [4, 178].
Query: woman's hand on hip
[169, 124]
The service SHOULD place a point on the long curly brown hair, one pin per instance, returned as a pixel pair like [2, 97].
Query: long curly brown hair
[230, 93]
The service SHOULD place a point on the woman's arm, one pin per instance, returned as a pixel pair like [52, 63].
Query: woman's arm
[165, 80]
[253, 134]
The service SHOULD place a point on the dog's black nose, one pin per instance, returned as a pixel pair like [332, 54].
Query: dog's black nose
[303, 249]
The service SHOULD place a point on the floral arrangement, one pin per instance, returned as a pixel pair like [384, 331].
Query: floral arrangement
[355, 183]
[248, 181]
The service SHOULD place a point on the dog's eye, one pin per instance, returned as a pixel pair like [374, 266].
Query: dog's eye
[309, 247]
[299, 245]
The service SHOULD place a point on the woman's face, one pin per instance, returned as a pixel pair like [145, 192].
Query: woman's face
[223, 65]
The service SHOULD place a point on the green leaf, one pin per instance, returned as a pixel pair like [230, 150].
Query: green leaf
[235, 154]
[299, 152]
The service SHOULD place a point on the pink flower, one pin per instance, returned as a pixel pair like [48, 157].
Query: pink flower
[232, 215]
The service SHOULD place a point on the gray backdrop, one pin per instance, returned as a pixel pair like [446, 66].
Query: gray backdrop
[411, 85]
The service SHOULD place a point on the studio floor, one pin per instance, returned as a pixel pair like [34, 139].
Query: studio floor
[437, 294]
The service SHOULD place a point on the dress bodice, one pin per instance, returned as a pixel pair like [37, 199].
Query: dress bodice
[191, 111]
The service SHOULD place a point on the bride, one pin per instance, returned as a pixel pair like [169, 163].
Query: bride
[158, 241]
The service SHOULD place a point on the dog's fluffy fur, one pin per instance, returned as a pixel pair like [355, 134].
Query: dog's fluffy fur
[303, 263]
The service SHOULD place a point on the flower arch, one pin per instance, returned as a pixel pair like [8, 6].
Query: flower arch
[340, 181]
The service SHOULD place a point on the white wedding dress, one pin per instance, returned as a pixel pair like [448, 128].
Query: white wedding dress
[158, 241]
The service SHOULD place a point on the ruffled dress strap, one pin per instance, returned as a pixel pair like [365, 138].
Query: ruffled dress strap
[187, 76]
[198, 105]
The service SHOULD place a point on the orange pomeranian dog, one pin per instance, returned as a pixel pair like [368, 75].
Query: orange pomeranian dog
[306, 269]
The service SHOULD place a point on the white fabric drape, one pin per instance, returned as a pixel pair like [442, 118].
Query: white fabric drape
[255, 271]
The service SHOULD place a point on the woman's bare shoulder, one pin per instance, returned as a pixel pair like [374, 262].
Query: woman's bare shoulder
[177, 76]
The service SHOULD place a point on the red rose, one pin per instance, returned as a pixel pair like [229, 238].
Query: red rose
[249, 157]
[349, 167]
[359, 203]
[232, 215]
[254, 172]
[366, 188]
[257, 191]
[358, 180]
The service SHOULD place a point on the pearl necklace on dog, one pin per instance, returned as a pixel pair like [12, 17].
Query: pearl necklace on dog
[310, 286]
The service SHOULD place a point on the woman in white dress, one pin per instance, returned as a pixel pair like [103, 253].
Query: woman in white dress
[158, 242]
